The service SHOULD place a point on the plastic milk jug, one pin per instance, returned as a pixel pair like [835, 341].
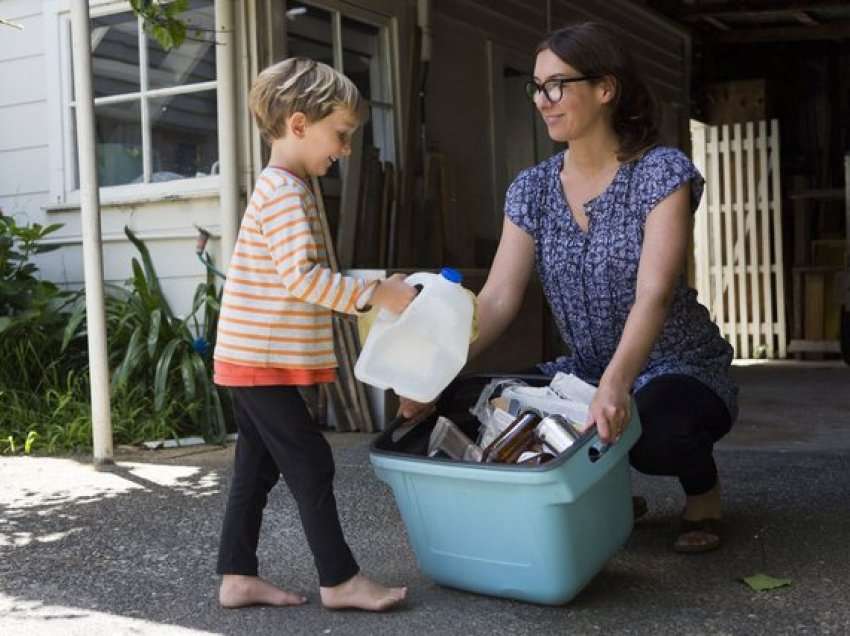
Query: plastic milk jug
[418, 352]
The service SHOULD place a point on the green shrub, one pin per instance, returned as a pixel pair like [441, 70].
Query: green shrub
[159, 363]
[149, 346]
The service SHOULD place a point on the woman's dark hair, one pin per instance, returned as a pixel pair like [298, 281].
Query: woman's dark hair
[594, 49]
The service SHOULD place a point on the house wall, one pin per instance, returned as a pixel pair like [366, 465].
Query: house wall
[24, 150]
[32, 169]
[460, 125]
[459, 121]
[661, 49]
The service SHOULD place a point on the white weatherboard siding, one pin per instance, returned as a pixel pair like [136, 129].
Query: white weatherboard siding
[31, 145]
[23, 111]
[168, 231]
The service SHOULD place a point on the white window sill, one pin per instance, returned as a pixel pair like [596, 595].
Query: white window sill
[141, 194]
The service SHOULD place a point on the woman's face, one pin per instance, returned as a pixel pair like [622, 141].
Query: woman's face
[582, 105]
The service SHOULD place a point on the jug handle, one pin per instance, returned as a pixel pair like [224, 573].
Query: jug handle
[419, 279]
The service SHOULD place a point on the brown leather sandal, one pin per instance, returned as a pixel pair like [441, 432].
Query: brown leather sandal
[709, 529]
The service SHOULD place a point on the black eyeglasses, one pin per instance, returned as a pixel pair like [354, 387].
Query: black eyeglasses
[553, 89]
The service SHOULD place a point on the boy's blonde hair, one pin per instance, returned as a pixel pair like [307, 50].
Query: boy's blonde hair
[298, 84]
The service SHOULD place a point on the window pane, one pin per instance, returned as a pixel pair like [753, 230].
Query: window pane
[115, 54]
[309, 33]
[118, 134]
[380, 133]
[184, 136]
[191, 62]
[363, 59]
[520, 115]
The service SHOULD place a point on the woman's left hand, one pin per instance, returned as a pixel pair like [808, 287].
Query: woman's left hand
[610, 410]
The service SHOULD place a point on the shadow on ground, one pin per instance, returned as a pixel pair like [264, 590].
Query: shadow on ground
[133, 551]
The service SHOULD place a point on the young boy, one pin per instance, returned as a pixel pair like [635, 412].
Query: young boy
[275, 333]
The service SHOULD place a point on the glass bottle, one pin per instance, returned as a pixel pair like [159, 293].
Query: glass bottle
[515, 439]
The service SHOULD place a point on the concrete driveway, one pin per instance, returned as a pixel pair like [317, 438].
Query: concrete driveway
[133, 551]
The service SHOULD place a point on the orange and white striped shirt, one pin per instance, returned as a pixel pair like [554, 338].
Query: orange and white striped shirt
[280, 291]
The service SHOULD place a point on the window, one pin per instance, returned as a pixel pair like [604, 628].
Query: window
[518, 135]
[155, 110]
[361, 51]
[356, 42]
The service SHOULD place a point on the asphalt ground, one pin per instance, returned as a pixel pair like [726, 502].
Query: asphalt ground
[132, 551]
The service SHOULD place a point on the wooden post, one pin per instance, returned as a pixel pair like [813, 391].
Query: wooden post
[729, 255]
[752, 230]
[741, 241]
[715, 211]
[767, 264]
[779, 257]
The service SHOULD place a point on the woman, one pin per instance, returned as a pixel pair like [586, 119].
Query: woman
[607, 224]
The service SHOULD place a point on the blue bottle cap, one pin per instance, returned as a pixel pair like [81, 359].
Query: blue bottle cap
[451, 275]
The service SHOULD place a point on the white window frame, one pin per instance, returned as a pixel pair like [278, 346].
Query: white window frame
[63, 193]
[388, 33]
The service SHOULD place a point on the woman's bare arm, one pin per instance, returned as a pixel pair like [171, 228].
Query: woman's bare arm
[662, 260]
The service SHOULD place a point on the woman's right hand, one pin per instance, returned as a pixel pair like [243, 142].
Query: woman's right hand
[410, 409]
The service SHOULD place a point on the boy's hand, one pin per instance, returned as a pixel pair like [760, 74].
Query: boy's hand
[393, 294]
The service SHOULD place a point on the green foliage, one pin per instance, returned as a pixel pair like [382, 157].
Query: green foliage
[161, 20]
[149, 346]
[160, 364]
[32, 316]
[24, 299]
[59, 419]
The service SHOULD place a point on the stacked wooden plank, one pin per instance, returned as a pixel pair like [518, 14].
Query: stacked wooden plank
[346, 395]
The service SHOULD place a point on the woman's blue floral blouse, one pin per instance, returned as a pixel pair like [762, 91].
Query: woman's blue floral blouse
[590, 278]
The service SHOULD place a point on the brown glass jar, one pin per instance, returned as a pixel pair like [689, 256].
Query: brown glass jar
[515, 439]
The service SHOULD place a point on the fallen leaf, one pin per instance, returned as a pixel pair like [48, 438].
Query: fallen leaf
[763, 582]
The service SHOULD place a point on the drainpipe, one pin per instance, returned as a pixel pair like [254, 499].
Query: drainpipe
[92, 245]
[225, 59]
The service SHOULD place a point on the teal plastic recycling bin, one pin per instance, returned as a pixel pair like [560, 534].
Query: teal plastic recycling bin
[531, 533]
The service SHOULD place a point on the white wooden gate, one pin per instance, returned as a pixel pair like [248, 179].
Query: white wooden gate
[738, 235]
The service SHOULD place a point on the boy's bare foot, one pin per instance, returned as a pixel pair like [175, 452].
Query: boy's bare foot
[240, 591]
[362, 593]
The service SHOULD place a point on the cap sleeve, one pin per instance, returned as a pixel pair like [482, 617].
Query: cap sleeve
[662, 172]
[522, 205]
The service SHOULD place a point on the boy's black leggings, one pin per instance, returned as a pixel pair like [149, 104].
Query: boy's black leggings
[277, 437]
[681, 419]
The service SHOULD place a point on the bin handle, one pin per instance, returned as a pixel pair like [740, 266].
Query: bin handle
[598, 449]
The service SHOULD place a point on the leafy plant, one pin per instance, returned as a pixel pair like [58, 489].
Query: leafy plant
[152, 347]
[24, 299]
[32, 317]
[161, 20]
[44, 376]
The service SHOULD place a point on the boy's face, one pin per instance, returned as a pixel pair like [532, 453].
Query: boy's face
[328, 139]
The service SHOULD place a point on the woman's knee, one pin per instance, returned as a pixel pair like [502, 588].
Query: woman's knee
[650, 458]
[668, 449]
